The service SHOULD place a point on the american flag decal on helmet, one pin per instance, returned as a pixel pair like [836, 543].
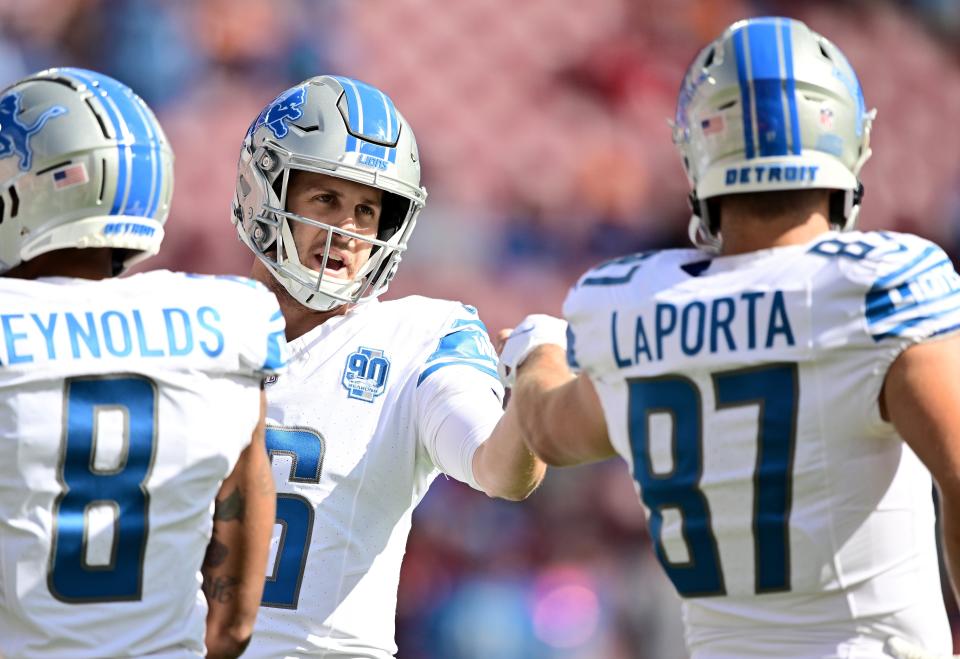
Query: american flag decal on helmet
[69, 176]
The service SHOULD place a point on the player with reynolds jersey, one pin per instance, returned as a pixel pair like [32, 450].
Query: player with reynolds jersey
[128, 407]
[781, 394]
[380, 396]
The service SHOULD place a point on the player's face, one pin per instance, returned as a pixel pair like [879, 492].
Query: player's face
[339, 203]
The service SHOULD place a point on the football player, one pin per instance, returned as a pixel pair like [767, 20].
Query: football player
[380, 396]
[781, 394]
[127, 406]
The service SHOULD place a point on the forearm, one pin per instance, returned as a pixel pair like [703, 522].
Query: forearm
[229, 627]
[504, 466]
[533, 402]
[234, 568]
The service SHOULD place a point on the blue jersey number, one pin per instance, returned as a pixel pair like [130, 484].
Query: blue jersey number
[71, 578]
[294, 513]
[773, 389]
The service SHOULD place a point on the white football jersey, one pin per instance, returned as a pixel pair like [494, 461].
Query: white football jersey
[743, 393]
[124, 403]
[355, 429]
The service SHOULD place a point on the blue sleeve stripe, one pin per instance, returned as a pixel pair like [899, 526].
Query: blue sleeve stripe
[946, 330]
[275, 355]
[466, 343]
[896, 274]
[877, 290]
[276, 316]
[881, 308]
[492, 372]
[907, 324]
[462, 322]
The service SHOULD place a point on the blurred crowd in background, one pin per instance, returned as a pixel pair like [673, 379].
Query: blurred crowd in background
[543, 134]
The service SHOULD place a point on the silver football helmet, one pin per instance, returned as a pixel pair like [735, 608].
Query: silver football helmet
[771, 105]
[83, 163]
[339, 127]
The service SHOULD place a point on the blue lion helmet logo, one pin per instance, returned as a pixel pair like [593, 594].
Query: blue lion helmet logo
[15, 135]
[288, 105]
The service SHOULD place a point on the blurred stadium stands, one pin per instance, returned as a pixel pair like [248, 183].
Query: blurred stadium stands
[543, 133]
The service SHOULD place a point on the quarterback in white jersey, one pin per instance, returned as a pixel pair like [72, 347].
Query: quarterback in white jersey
[127, 406]
[380, 397]
[772, 392]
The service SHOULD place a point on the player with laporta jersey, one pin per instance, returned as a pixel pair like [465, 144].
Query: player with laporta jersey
[781, 394]
[127, 406]
[380, 397]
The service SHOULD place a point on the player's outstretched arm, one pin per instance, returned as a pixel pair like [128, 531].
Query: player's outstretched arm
[921, 397]
[235, 564]
[559, 413]
[503, 464]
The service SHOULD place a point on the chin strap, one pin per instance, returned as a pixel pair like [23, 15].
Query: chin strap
[701, 237]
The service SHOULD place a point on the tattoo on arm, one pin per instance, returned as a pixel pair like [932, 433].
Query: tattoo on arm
[229, 508]
[216, 553]
[220, 589]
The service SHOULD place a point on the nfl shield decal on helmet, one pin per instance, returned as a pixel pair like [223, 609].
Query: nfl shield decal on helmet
[365, 374]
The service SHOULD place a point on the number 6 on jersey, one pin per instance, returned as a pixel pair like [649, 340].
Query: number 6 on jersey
[294, 514]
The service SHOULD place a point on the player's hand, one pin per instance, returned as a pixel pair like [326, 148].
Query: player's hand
[500, 339]
[900, 649]
[514, 346]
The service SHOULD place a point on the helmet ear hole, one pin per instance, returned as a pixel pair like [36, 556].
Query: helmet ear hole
[709, 59]
[823, 51]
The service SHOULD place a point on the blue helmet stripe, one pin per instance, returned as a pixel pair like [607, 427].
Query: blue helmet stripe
[371, 115]
[143, 167]
[791, 88]
[767, 86]
[374, 150]
[353, 112]
[354, 109]
[745, 96]
[91, 79]
[156, 169]
[137, 141]
[393, 125]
